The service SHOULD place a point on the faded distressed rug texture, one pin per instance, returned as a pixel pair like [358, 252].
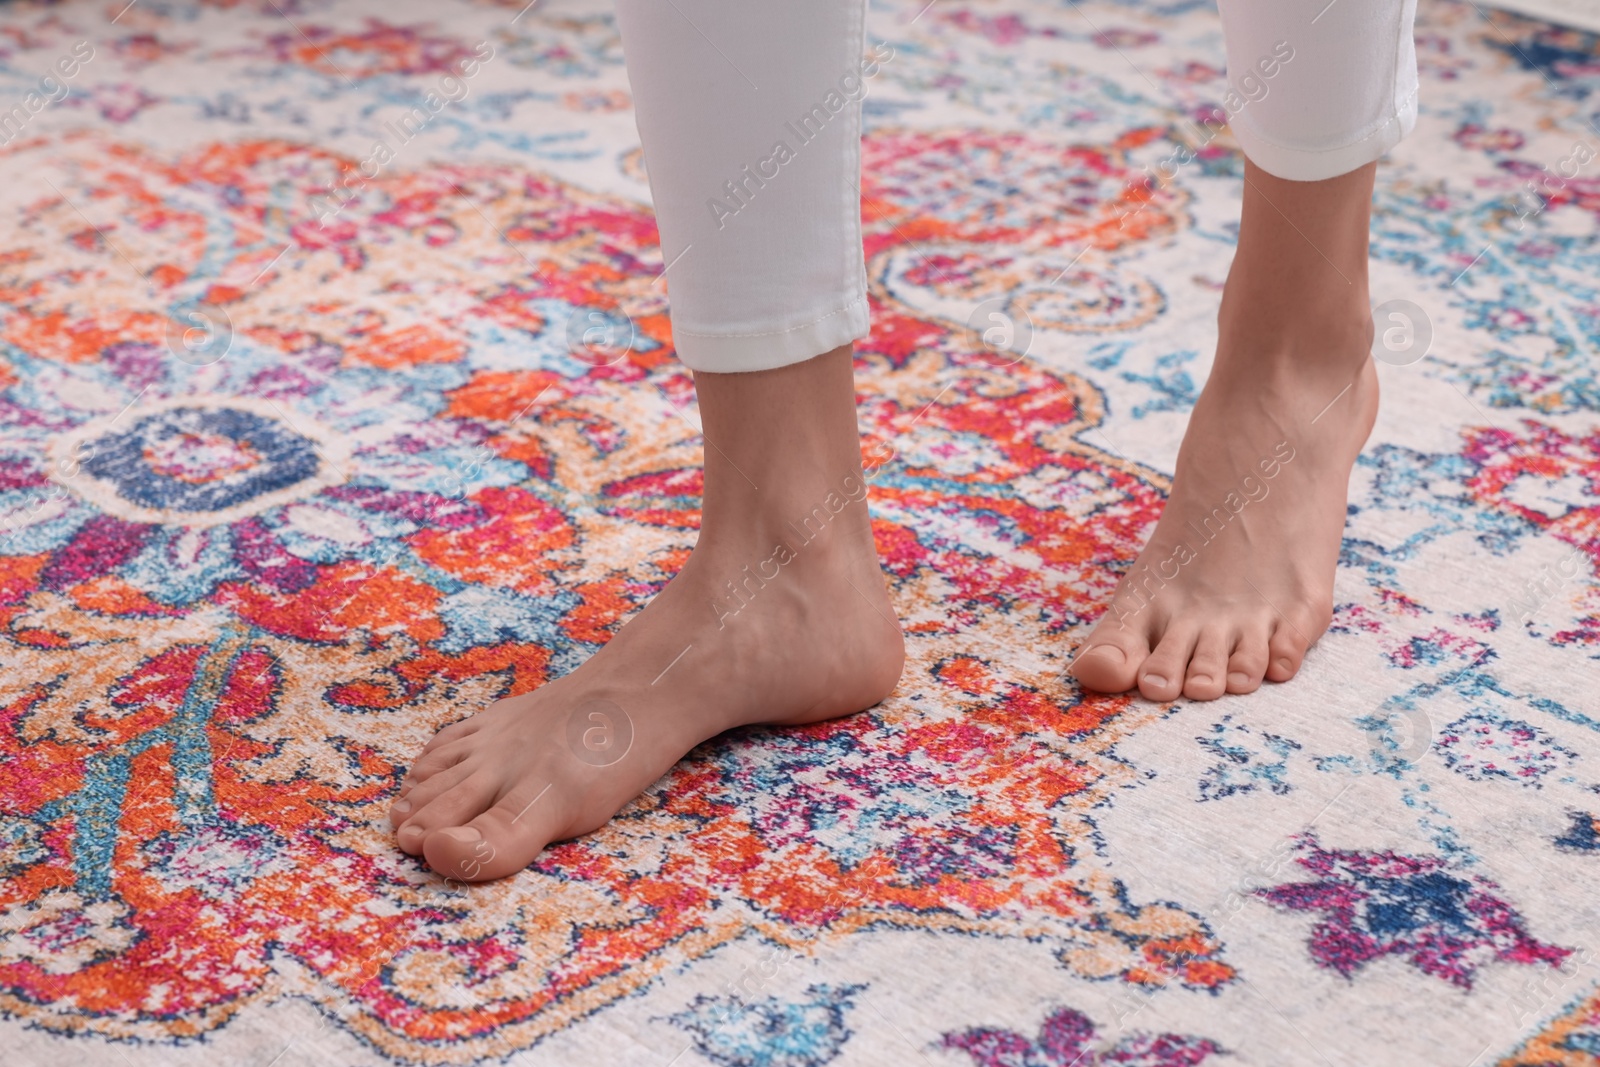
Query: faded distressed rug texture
[338, 398]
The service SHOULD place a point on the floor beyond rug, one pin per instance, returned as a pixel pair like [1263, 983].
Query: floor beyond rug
[303, 454]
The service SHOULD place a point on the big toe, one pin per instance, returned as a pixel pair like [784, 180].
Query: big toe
[500, 840]
[1109, 662]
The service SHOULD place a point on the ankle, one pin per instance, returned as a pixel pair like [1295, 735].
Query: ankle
[764, 493]
[1326, 337]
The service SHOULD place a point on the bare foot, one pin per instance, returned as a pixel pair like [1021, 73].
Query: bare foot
[1236, 582]
[779, 616]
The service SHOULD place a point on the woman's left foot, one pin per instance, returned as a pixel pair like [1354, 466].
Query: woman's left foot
[1236, 582]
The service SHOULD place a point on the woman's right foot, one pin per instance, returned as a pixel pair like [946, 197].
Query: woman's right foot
[780, 615]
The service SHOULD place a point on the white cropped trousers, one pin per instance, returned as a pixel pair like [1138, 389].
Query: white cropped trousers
[750, 116]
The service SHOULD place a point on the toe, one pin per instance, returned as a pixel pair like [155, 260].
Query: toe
[453, 807]
[399, 812]
[1207, 676]
[412, 803]
[1248, 664]
[1109, 660]
[411, 839]
[1285, 651]
[454, 732]
[1161, 675]
[500, 840]
[432, 760]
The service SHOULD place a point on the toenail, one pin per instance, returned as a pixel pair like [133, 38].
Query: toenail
[465, 835]
[1236, 678]
[1112, 650]
[1155, 681]
[410, 832]
[401, 807]
[1284, 665]
[1201, 679]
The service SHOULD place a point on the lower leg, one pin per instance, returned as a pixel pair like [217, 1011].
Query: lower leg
[1237, 578]
[1301, 261]
[780, 615]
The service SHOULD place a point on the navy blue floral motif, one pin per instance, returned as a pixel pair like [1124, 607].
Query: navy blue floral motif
[201, 459]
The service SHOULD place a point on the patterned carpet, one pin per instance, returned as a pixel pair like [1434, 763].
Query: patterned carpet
[305, 454]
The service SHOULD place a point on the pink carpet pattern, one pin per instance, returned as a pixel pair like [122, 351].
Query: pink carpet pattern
[308, 448]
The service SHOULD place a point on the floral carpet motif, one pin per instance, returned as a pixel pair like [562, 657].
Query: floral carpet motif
[338, 399]
[1377, 905]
